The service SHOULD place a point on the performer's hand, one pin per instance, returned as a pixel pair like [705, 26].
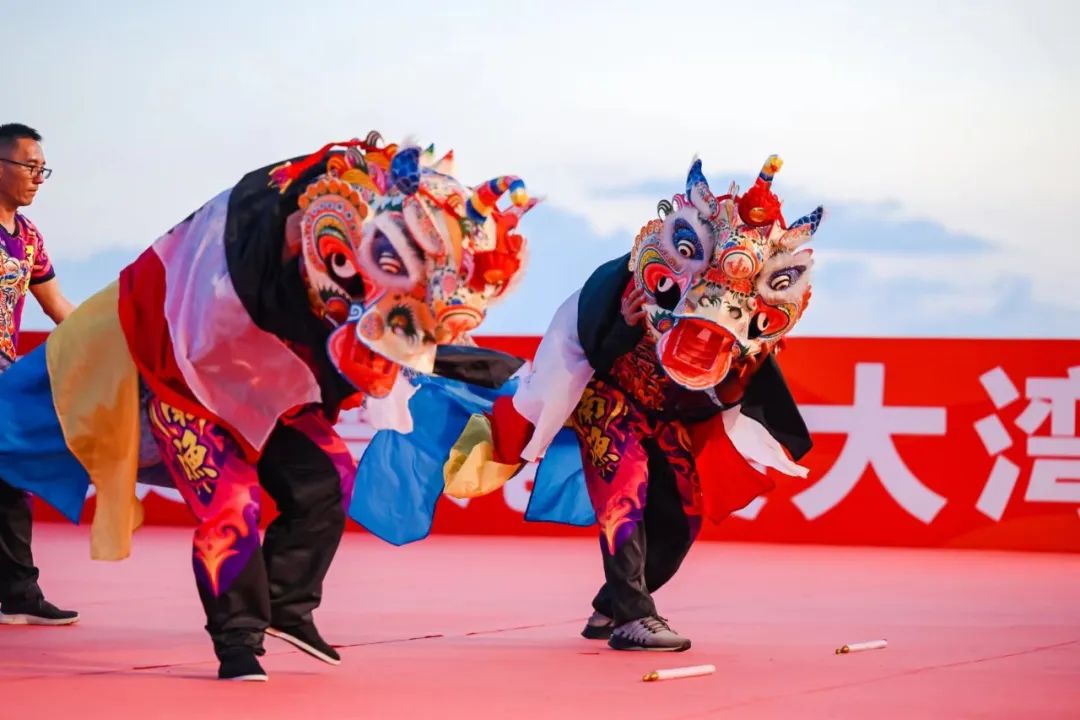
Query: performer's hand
[291, 247]
[633, 306]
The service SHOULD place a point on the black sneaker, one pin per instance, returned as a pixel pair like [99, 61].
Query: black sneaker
[35, 612]
[648, 633]
[241, 664]
[307, 638]
[598, 627]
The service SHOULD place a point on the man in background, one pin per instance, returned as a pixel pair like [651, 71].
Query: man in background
[24, 266]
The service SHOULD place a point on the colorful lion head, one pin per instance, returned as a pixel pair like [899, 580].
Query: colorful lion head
[400, 256]
[725, 278]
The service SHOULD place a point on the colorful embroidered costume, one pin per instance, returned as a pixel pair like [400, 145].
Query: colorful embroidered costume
[641, 429]
[220, 359]
[23, 262]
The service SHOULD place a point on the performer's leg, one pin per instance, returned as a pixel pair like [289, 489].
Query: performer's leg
[637, 625]
[616, 478]
[18, 576]
[673, 508]
[304, 468]
[624, 575]
[600, 623]
[667, 534]
[21, 599]
[222, 490]
[615, 465]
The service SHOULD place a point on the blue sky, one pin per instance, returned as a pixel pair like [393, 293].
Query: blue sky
[940, 137]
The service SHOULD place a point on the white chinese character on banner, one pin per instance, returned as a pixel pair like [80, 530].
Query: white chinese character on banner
[1055, 474]
[870, 426]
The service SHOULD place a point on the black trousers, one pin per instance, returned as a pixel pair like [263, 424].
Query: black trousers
[653, 553]
[18, 576]
[282, 584]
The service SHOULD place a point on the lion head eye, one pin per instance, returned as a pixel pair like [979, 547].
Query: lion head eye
[686, 241]
[783, 279]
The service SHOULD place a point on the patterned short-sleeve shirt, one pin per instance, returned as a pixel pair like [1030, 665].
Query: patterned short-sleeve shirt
[23, 262]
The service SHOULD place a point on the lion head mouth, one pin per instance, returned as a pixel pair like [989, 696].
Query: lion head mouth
[696, 353]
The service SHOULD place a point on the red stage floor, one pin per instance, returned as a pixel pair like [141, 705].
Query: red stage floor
[488, 628]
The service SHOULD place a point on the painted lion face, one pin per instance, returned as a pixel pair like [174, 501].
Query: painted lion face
[724, 279]
[400, 256]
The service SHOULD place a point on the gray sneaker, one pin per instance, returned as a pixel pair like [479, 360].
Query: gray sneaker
[598, 627]
[648, 633]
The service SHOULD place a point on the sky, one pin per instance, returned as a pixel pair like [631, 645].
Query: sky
[940, 137]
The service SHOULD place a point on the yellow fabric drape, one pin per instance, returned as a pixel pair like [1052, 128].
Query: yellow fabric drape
[95, 391]
[470, 470]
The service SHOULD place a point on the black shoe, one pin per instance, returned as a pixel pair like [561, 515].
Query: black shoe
[35, 612]
[307, 638]
[598, 627]
[240, 663]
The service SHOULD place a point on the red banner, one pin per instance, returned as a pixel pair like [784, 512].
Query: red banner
[936, 443]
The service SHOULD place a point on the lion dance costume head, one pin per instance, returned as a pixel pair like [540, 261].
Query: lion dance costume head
[724, 278]
[400, 256]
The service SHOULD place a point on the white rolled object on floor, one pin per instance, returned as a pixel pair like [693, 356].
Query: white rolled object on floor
[859, 647]
[683, 672]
